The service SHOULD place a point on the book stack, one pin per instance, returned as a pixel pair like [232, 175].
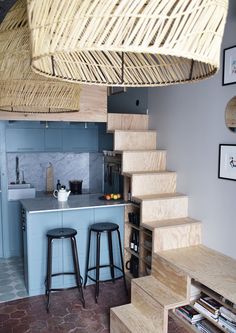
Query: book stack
[188, 313]
[208, 306]
[227, 320]
[207, 327]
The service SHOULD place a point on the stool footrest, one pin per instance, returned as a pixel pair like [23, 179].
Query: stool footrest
[103, 266]
[116, 278]
[62, 289]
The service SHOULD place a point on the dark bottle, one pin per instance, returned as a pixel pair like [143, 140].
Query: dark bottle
[132, 240]
[58, 185]
[136, 244]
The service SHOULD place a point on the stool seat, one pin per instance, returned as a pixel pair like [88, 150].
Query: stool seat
[61, 233]
[104, 226]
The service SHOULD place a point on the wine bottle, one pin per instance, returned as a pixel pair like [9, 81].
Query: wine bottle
[136, 244]
[132, 240]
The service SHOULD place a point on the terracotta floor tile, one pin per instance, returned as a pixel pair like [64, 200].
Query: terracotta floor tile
[66, 314]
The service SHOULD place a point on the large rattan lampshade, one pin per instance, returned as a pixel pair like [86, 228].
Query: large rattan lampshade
[21, 90]
[127, 42]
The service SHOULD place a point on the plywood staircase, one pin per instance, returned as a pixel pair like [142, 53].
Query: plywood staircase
[165, 213]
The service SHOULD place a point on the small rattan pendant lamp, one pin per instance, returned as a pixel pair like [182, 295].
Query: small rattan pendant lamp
[127, 42]
[21, 90]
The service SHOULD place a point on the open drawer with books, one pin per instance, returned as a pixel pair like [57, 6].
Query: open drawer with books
[208, 312]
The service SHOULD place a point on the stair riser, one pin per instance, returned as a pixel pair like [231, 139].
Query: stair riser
[160, 209]
[134, 140]
[116, 325]
[117, 121]
[177, 237]
[170, 276]
[153, 184]
[144, 161]
[149, 307]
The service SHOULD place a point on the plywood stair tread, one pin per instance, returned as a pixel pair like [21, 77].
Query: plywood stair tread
[143, 173]
[160, 293]
[134, 131]
[211, 268]
[132, 320]
[124, 121]
[161, 196]
[168, 223]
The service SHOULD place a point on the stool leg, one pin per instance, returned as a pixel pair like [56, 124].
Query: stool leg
[111, 256]
[49, 272]
[97, 266]
[122, 262]
[76, 268]
[87, 259]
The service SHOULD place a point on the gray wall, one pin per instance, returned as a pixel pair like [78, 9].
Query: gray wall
[134, 100]
[190, 123]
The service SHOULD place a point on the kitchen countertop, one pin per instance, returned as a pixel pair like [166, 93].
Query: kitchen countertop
[83, 201]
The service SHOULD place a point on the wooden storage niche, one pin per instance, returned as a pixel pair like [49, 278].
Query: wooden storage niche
[199, 290]
[132, 258]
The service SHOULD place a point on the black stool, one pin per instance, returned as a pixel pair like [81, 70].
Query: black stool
[98, 228]
[62, 233]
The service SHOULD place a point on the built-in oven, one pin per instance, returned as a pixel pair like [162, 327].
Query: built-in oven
[113, 180]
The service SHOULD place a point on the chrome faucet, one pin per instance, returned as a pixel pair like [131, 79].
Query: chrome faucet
[17, 171]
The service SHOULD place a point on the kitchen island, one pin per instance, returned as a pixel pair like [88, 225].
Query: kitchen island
[80, 211]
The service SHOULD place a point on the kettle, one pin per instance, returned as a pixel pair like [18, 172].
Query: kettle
[62, 194]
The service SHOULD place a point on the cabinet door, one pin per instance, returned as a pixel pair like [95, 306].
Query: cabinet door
[27, 139]
[80, 140]
[15, 231]
[79, 220]
[1, 236]
[53, 139]
[37, 226]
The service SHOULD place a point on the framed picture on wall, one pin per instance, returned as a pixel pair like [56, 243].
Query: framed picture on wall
[227, 161]
[229, 66]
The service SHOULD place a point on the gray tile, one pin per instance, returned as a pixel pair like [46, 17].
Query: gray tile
[7, 297]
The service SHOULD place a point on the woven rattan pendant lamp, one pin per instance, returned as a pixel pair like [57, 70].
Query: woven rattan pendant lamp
[21, 90]
[127, 42]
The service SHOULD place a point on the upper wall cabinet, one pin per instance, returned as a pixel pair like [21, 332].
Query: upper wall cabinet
[93, 108]
[66, 138]
[80, 140]
[25, 140]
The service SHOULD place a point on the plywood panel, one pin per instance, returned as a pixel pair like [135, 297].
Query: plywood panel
[171, 276]
[162, 294]
[163, 207]
[93, 108]
[122, 121]
[153, 183]
[174, 237]
[207, 266]
[128, 318]
[135, 161]
[149, 307]
[138, 140]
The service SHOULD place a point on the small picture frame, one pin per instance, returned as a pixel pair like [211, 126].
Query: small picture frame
[116, 90]
[227, 162]
[229, 66]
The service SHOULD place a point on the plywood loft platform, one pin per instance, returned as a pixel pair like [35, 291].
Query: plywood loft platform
[178, 259]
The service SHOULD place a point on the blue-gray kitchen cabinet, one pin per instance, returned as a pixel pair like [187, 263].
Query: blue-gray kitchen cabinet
[1, 234]
[53, 139]
[24, 139]
[15, 247]
[35, 245]
[80, 139]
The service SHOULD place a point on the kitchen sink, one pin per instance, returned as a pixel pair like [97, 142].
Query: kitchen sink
[20, 191]
[19, 186]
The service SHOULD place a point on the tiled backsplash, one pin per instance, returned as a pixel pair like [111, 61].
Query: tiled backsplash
[66, 166]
